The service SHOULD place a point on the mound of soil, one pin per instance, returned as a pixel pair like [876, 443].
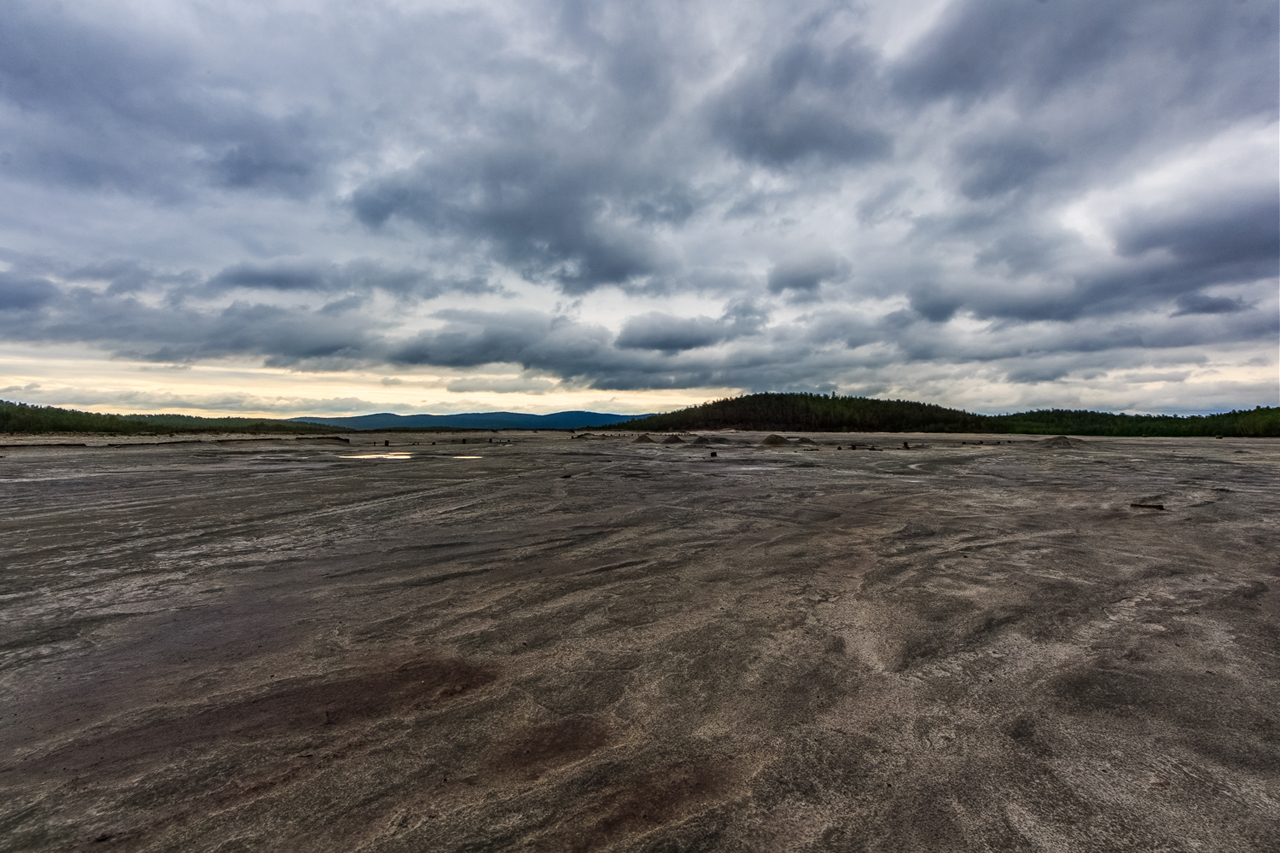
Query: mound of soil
[643, 439]
[1061, 442]
[774, 440]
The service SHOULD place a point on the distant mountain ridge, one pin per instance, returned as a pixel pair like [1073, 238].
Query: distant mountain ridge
[474, 420]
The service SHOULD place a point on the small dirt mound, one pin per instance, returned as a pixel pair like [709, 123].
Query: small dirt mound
[807, 441]
[673, 439]
[1061, 442]
[702, 439]
[644, 439]
[774, 440]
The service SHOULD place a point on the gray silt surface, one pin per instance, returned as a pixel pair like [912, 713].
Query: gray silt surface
[276, 645]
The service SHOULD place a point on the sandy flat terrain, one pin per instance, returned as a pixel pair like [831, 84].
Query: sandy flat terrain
[553, 644]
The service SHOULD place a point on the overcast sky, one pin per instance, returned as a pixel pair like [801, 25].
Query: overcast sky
[346, 207]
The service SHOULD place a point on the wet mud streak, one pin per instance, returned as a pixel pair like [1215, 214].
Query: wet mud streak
[282, 710]
[529, 752]
[639, 804]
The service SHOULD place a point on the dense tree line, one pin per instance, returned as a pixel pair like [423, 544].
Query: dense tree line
[771, 412]
[819, 413]
[21, 418]
[1255, 423]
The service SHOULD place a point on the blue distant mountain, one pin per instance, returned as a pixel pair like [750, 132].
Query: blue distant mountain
[475, 420]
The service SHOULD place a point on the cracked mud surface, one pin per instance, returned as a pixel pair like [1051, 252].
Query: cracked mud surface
[594, 644]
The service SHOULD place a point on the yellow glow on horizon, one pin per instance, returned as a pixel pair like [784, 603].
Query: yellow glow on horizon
[86, 380]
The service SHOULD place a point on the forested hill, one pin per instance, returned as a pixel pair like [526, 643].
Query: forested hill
[24, 419]
[818, 413]
[812, 412]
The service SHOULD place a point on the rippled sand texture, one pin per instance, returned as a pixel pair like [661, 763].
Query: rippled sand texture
[597, 644]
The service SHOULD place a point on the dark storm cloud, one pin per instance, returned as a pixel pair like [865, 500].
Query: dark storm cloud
[33, 307]
[1017, 251]
[670, 334]
[1231, 238]
[19, 293]
[572, 172]
[1163, 253]
[359, 276]
[1198, 303]
[981, 47]
[129, 276]
[83, 83]
[587, 354]
[651, 352]
[532, 339]
[275, 277]
[1034, 50]
[286, 337]
[169, 333]
[265, 164]
[855, 204]
[936, 306]
[120, 111]
[804, 272]
[541, 211]
[804, 103]
[1223, 242]
[992, 167]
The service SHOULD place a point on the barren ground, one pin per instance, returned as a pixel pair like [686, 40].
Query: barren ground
[593, 644]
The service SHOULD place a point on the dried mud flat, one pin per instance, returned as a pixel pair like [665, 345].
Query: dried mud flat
[573, 645]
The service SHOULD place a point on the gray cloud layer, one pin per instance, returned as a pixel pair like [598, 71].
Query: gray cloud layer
[1022, 190]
